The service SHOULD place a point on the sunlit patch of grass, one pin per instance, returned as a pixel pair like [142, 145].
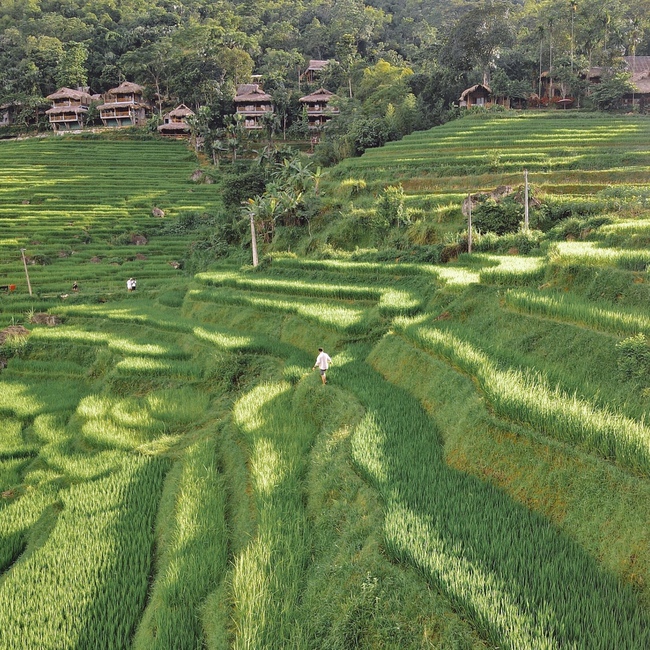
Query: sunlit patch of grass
[513, 270]
[580, 311]
[526, 397]
[222, 340]
[590, 253]
[455, 275]
[335, 316]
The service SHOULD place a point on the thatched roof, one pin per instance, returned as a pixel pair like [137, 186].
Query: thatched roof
[473, 89]
[180, 111]
[251, 93]
[181, 127]
[638, 66]
[320, 95]
[69, 93]
[58, 110]
[126, 87]
[317, 65]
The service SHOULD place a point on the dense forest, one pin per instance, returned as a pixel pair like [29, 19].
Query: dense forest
[406, 60]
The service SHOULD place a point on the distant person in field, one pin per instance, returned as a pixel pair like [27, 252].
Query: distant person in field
[323, 362]
[130, 284]
[75, 286]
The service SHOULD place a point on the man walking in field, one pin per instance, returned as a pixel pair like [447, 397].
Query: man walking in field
[323, 362]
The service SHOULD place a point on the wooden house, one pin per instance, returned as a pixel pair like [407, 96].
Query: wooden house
[8, 113]
[252, 103]
[317, 106]
[69, 108]
[314, 70]
[639, 67]
[175, 122]
[481, 95]
[124, 106]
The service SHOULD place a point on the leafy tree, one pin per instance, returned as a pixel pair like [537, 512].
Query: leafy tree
[478, 36]
[71, 70]
[381, 85]
[609, 93]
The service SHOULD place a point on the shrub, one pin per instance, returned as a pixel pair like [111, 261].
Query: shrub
[390, 207]
[634, 357]
[243, 182]
[499, 218]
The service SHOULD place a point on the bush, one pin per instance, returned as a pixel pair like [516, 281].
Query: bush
[634, 358]
[242, 183]
[498, 217]
[524, 242]
[577, 228]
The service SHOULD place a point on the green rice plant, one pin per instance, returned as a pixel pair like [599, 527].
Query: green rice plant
[273, 285]
[12, 442]
[590, 254]
[575, 309]
[513, 270]
[146, 366]
[267, 575]
[526, 397]
[192, 552]
[331, 315]
[27, 400]
[85, 582]
[504, 567]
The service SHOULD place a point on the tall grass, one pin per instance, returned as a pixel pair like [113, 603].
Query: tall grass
[267, 575]
[192, 552]
[526, 397]
[577, 310]
[522, 583]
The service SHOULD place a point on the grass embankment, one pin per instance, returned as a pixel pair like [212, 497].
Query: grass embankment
[465, 480]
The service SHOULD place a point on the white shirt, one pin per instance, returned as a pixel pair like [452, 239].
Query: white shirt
[323, 361]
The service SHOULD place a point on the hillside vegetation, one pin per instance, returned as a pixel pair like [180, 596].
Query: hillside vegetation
[475, 474]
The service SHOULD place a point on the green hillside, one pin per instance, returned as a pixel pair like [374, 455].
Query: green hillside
[475, 473]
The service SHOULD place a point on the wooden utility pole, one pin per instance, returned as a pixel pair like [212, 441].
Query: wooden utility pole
[469, 224]
[254, 241]
[525, 199]
[29, 286]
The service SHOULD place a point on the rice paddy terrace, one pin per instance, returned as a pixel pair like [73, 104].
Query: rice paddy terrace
[475, 474]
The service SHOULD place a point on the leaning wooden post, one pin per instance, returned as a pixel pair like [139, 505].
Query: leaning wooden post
[469, 224]
[29, 286]
[254, 241]
[526, 199]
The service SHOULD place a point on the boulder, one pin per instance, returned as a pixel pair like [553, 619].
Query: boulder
[157, 212]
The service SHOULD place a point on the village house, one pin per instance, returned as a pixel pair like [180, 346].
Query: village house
[69, 108]
[314, 70]
[124, 106]
[639, 68]
[317, 106]
[251, 102]
[175, 122]
[481, 95]
[8, 113]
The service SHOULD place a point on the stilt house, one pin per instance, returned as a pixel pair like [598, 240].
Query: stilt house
[319, 112]
[175, 122]
[124, 106]
[252, 103]
[69, 108]
[314, 70]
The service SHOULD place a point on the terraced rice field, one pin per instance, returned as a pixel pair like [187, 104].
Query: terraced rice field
[567, 156]
[475, 474]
